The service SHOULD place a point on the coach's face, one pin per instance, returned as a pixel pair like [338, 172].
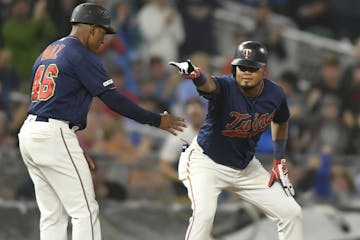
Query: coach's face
[96, 38]
[249, 78]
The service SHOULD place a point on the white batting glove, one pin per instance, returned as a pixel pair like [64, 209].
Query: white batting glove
[187, 69]
[280, 173]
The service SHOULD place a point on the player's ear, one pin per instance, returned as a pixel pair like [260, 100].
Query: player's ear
[266, 71]
[92, 29]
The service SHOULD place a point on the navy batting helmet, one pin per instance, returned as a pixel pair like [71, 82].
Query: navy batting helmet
[90, 13]
[250, 54]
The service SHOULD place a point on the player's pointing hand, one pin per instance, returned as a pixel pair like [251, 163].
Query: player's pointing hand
[171, 123]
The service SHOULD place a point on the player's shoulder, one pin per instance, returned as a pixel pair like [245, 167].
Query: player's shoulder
[228, 77]
[273, 87]
[224, 79]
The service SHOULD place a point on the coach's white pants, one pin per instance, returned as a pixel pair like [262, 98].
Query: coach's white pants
[62, 180]
[205, 179]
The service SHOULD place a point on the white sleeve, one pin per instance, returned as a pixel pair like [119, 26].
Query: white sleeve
[171, 149]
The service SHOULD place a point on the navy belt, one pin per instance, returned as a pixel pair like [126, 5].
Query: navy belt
[42, 119]
[45, 119]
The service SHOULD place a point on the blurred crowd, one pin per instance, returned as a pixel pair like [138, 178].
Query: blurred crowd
[139, 162]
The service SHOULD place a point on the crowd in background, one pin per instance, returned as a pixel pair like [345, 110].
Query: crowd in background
[132, 158]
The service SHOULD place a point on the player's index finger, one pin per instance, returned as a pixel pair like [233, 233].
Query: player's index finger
[173, 64]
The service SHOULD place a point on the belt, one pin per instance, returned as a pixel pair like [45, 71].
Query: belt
[42, 119]
[45, 119]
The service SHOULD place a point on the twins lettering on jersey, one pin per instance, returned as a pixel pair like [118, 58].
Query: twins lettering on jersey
[244, 125]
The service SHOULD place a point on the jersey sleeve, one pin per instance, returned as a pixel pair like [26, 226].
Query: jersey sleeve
[93, 76]
[282, 113]
[215, 94]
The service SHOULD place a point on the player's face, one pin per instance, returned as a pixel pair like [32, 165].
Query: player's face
[96, 38]
[249, 77]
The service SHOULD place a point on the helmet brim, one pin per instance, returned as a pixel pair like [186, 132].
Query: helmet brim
[109, 30]
[247, 63]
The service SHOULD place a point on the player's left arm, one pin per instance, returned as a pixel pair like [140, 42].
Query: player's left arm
[279, 172]
[279, 131]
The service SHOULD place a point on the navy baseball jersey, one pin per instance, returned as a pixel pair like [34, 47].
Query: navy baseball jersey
[235, 122]
[66, 76]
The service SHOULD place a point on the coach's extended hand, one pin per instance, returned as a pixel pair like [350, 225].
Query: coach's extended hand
[172, 123]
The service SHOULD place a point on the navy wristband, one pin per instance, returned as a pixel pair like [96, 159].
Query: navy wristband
[200, 80]
[279, 148]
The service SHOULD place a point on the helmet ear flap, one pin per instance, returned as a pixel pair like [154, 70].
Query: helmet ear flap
[233, 70]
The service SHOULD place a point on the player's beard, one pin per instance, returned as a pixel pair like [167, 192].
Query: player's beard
[247, 88]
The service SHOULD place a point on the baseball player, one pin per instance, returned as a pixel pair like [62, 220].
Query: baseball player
[66, 76]
[241, 107]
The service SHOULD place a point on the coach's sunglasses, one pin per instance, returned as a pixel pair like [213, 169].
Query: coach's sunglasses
[248, 69]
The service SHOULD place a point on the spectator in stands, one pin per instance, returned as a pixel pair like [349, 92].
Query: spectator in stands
[327, 128]
[25, 191]
[199, 26]
[116, 143]
[238, 37]
[171, 149]
[342, 185]
[185, 89]
[344, 14]
[304, 175]
[159, 84]
[329, 83]
[13, 110]
[289, 80]
[3, 122]
[162, 30]
[322, 184]
[145, 135]
[126, 28]
[333, 182]
[312, 15]
[9, 82]
[267, 32]
[89, 138]
[60, 12]
[25, 33]
[4, 9]
[349, 68]
[107, 189]
[120, 49]
[352, 110]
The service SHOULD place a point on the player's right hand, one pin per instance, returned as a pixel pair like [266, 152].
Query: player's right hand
[280, 173]
[187, 69]
[171, 123]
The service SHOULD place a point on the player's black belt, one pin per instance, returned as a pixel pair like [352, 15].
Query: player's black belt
[41, 119]
[45, 119]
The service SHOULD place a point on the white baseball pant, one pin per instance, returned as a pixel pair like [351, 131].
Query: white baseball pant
[62, 180]
[205, 179]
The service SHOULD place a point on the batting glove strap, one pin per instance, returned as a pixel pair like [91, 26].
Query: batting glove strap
[280, 173]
